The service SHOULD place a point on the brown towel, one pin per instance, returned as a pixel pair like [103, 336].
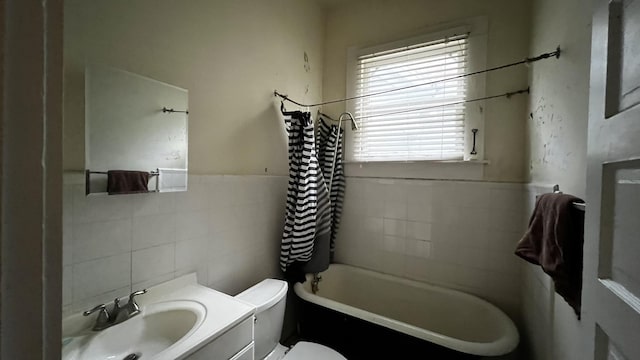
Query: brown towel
[127, 182]
[554, 241]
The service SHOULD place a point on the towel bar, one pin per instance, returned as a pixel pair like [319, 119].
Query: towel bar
[580, 206]
[577, 205]
[153, 173]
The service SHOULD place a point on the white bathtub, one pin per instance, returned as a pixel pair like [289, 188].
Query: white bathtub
[449, 318]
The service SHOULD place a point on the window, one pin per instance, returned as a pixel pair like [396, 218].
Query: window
[410, 124]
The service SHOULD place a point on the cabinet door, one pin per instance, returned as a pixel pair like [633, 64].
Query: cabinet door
[246, 354]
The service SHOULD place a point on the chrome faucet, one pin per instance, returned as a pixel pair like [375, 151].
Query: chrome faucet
[117, 314]
[314, 282]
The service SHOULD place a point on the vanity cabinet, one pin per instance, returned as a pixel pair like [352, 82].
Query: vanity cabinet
[235, 344]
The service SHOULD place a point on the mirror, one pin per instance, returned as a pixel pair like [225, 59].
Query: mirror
[135, 133]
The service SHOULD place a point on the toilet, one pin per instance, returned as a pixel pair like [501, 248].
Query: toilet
[269, 298]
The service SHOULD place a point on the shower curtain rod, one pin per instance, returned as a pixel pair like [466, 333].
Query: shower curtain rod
[547, 55]
[507, 95]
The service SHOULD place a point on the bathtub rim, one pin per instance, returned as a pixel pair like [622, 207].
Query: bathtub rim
[501, 346]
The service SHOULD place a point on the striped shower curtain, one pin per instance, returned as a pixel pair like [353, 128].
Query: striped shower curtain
[308, 205]
[330, 158]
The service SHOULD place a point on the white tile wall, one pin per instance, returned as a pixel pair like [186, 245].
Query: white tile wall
[225, 228]
[152, 262]
[92, 278]
[460, 234]
[153, 230]
[100, 239]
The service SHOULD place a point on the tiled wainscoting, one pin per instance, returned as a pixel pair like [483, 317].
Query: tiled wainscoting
[459, 234]
[225, 228]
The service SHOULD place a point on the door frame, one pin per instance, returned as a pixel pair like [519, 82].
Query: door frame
[31, 178]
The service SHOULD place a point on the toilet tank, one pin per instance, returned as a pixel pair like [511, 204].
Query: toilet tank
[269, 299]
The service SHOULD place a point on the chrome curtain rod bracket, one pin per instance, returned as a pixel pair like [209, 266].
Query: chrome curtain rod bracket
[171, 110]
[547, 55]
[286, 98]
[555, 54]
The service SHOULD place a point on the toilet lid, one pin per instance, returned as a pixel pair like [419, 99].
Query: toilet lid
[304, 350]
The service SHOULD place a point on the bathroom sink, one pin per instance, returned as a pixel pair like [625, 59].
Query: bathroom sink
[157, 328]
[177, 319]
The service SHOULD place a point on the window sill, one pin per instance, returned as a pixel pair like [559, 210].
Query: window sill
[459, 162]
[425, 169]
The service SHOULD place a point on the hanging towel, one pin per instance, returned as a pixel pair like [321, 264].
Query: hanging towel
[127, 182]
[330, 154]
[307, 195]
[554, 241]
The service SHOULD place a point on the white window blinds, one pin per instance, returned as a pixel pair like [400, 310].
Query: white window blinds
[411, 124]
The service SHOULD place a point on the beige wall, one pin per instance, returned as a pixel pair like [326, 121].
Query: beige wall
[229, 54]
[557, 151]
[558, 105]
[371, 22]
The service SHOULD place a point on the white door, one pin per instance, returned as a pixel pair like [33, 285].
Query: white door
[611, 287]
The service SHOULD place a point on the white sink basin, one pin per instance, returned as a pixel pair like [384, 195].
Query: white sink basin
[160, 326]
[177, 319]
